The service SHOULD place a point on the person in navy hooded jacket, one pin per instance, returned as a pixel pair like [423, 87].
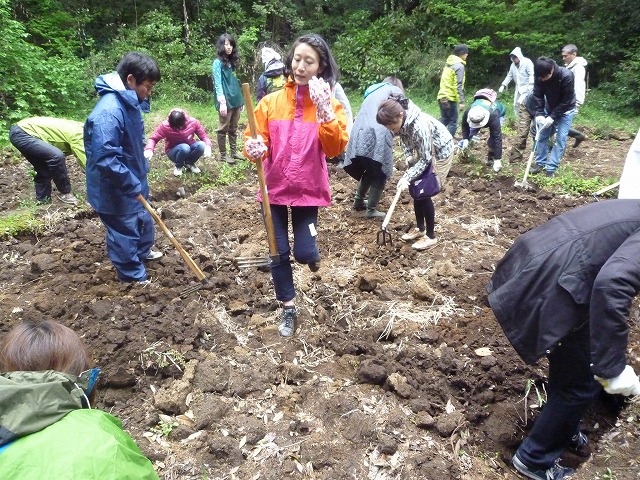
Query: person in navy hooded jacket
[116, 166]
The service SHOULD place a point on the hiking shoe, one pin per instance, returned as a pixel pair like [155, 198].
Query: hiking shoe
[314, 266]
[229, 160]
[424, 243]
[537, 169]
[154, 255]
[177, 171]
[555, 472]
[288, 320]
[194, 169]
[238, 156]
[579, 445]
[413, 234]
[68, 198]
[550, 174]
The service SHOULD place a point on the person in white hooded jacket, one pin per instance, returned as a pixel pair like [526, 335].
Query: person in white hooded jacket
[521, 72]
[578, 66]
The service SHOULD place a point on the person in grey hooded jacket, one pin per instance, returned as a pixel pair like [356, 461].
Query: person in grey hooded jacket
[369, 154]
[521, 72]
[578, 66]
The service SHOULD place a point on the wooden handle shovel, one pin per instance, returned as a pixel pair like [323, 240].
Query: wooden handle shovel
[183, 253]
[247, 262]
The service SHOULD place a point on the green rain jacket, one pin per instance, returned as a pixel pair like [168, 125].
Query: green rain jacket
[452, 80]
[46, 434]
[67, 135]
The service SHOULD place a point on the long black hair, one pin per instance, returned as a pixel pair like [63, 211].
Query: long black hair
[232, 59]
[329, 67]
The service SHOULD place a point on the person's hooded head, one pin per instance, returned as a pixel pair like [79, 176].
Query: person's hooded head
[268, 55]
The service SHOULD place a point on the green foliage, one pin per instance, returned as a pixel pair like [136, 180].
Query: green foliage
[567, 181]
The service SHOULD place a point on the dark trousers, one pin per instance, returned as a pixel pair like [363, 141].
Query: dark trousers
[48, 161]
[368, 168]
[449, 115]
[305, 246]
[571, 391]
[129, 241]
[425, 212]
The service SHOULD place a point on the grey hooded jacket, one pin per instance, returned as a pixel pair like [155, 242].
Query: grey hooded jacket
[522, 75]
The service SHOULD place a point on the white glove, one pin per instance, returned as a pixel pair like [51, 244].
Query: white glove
[207, 151]
[409, 160]
[475, 139]
[463, 144]
[540, 119]
[320, 92]
[403, 184]
[626, 383]
[223, 106]
[501, 89]
[255, 148]
[148, 154]
[547, 123]
[497, 165]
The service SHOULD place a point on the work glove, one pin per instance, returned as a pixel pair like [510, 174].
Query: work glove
[207, 151]
[403, 184]
[463, 144]
[320, 92]
[223, 106]
[497, 165]
[626, 383]
[474, 139]
[501, 89]
[148, 154]
[255, 148]
[547, 123]
[409, 160]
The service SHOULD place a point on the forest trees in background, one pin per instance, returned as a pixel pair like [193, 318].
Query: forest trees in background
[53, 49]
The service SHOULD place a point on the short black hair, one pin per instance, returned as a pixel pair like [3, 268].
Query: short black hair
[460, 49]
[177, 119]
[544, 66]
[140, 65]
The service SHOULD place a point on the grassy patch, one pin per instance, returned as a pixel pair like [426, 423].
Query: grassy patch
[569, 182]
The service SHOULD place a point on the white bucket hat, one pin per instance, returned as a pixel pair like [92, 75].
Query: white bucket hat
[478, 116]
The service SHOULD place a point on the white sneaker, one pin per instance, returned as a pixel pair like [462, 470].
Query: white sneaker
[68, 198]
[154, 255]
[194, 169]
[424, 243]
[413, 234]
[177, 171]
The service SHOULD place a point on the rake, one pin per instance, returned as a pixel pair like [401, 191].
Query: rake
[273, 258]
[384, 236]
[183, 253]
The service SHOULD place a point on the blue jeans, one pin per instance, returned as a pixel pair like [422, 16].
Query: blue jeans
[185, 154]
[449, 115]
[129, 241]
[305, 245]
[571, 391]
[48, 161]
[561, 127]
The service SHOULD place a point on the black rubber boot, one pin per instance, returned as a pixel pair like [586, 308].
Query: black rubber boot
[374, 198]
[579, 136]
[361, 192]
[222, 145]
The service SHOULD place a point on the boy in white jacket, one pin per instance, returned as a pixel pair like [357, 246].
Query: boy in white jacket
[578, 66]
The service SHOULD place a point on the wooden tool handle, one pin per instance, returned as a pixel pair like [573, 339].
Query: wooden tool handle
[188, 260]
[266, 207]
[387, 217]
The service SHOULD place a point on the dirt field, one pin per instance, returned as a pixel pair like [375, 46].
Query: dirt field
[398, 371]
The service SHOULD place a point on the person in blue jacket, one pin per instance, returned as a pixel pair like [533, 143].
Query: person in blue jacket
[116, 166]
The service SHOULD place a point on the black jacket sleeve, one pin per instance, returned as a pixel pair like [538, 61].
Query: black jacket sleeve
[495, 134]
[465, 125]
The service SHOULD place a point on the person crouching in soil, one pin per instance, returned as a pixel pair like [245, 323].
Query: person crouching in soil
[421, 134]
[298, 127]
[181, 147]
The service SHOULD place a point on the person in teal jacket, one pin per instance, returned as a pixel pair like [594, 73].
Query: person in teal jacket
[45, 142]
[48, 429]
[227, 96]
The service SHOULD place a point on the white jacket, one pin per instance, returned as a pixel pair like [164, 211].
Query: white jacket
[522, 75]
[579, 68]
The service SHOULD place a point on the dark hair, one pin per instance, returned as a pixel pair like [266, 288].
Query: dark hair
[460, 49]
[395, 81]
[328, 66]
[232, 59]
[141, 66]
[544, 66]
[389, 111]
[46, 345]
[177, 119]
[570, 48]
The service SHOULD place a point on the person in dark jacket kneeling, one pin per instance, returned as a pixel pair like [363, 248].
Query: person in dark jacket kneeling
[569, 299]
